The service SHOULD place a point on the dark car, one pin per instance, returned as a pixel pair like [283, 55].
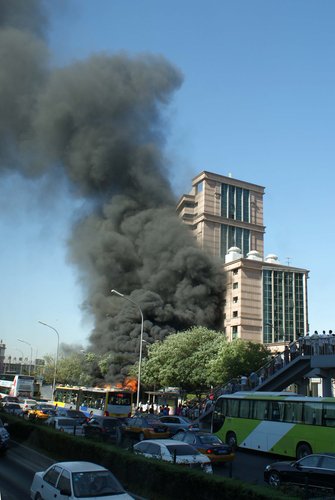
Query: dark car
[148, 427]
[316, 470]
[104, 428]
[70, 413]
[9, 399]
[13, 409]
[208, 444]
[176, 423]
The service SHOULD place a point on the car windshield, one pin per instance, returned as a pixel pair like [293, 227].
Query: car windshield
[95, 484]
[210, 439]
[182, 449]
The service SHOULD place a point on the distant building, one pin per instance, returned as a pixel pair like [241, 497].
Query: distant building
[264, 301]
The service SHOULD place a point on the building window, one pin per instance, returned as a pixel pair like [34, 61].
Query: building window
[235, 203]
[234, 332]
[234, 237]
[283, 305]
[235, 300]
[235, 272]
[235, 285]
[234, 314]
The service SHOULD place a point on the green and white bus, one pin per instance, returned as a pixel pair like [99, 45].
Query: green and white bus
[281, 423]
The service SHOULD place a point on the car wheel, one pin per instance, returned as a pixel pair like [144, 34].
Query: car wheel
[38, 497]
[274, 479]
[231, 440]
[303, 450]
[141, 436]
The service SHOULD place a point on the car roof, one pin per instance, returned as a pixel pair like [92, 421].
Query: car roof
[165, 442]
[80, 466]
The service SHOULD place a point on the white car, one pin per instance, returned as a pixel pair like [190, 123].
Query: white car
[72, 480]
[27, 404]
[174, 451]
[65, 424]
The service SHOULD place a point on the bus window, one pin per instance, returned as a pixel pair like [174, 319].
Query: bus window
[293, 412]
[260, 411]
[313, 413]
[329, 414]
[232, 408]
[245, 408]
[274, 410]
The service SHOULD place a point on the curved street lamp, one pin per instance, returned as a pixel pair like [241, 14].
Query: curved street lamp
[141, 343]
[56, 360]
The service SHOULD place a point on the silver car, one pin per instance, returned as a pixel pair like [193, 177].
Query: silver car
[64, 424]
[176, 423]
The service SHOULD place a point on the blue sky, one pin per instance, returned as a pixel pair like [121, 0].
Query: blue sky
[257, 102]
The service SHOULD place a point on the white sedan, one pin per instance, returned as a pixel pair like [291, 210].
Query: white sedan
[71, 480]
[174, 451]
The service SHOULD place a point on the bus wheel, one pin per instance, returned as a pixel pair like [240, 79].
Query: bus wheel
[274, 479]
[303, 449]
[231, 440]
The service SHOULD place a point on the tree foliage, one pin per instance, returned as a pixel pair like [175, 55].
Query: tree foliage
[199, 358]
[236, 358]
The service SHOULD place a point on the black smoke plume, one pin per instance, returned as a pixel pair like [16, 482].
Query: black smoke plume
[101, 122]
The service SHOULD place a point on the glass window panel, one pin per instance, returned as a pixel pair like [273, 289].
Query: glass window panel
[313, 413]
[327, 463]
[224, 200]
[246, 242]
[224, 240]
[329, 414]
[245, 408]
[232, 407]
[238, 203]
[260, 410]
[246, 206]
[231, 202]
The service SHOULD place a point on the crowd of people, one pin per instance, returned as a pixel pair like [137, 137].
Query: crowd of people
[307, 345]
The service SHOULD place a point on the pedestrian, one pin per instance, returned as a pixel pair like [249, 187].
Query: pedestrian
[244, 383]
[293, 350]
[286, 355]
[253, 380]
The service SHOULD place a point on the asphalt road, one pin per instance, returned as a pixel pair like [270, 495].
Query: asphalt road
[17, 469]
[247, 466]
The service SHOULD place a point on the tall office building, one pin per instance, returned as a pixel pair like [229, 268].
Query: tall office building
[264, 301]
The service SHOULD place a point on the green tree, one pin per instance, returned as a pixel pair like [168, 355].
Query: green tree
[238, 357]
[182, 359]
[199, 358]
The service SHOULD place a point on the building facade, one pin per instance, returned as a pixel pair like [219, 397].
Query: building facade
[264, 301]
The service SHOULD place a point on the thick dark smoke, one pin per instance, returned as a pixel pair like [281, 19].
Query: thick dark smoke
[101, 122]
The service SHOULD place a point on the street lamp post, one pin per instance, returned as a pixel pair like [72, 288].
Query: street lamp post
[56, 360]
[141, 344]
[31, 352]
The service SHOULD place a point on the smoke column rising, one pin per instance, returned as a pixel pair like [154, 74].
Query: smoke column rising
[100, 122]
